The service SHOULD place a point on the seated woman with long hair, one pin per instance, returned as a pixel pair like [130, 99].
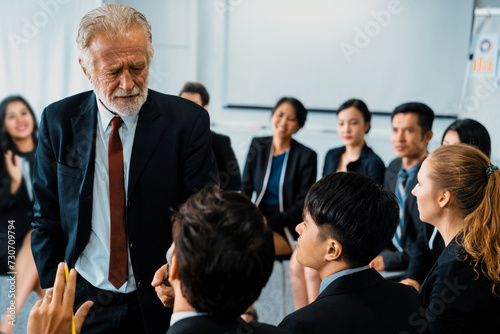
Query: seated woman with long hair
[429, 243]
[280, 170]
[458, 192]
[18, 139]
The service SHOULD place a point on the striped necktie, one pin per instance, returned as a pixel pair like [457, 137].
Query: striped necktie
[401, 195]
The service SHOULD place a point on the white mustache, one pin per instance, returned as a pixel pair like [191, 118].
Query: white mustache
[123, 93]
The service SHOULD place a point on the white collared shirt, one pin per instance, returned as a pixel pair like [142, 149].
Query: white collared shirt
[328, 280]
[93, 263]
[178, 316]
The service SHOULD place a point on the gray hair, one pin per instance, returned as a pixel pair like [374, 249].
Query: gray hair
[111, 20]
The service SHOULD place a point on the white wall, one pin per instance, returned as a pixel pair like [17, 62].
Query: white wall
[38, 56]
[189, 37]
[241, 125]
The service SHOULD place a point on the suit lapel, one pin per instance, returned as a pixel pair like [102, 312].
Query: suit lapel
[84, 126]
[151, 126]
[392, 176]
[84, 130]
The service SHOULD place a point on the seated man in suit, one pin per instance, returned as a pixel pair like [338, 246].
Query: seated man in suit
[411, 133]
[229, 170]
[222, 257]
[348, 219]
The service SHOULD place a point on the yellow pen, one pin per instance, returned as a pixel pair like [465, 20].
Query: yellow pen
[73, 330]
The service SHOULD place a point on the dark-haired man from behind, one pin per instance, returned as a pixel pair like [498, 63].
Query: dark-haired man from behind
[347, 221]
[229, 170]
[222, 257]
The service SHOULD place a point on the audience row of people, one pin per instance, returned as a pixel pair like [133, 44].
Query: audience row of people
[347, 220]
[275, 166]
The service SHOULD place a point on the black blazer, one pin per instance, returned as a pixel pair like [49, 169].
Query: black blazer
[300, 175]
[207, 325]
[422, 257]
[368, 163]
[456, 299]
[229, 170]
[17, 207]
[363, 302]
[171, 159]
[394, 260]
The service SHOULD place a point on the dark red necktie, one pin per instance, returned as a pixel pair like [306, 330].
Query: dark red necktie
[118, 241]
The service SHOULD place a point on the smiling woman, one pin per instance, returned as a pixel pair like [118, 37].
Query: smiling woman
[281, 170]
[18, 141]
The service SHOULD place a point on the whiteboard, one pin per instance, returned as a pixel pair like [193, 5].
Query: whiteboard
[326, 51]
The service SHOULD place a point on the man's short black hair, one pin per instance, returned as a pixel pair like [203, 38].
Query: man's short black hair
[356, 211]
[197, 88]
[423, 111]
[224, 252]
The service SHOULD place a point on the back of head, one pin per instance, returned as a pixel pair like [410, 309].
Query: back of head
[110, 20]
[224, 252]
[356, 211]
[425, 114]
[6, 142]
[471, 132]
[474, 183]
[196, 88]
[300, 110]
[361, 106]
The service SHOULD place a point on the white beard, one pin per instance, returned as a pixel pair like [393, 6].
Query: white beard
[123, 108]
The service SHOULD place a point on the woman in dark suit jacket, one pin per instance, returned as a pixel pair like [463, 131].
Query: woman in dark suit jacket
[353, 122]
[18, 139]
[280, 171]
[459, 192]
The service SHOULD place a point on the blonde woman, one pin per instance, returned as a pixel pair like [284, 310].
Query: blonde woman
[458, 191]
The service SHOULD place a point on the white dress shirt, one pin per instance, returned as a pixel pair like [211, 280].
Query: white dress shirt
[93, 263]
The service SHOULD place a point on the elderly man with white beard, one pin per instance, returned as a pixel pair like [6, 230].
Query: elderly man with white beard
[112, 165]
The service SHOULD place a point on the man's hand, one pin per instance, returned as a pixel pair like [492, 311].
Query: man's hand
[378, 263]
[52, 314]
[412, 282]
[162, 287]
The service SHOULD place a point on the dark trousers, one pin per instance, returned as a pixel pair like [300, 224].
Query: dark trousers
[112, 312]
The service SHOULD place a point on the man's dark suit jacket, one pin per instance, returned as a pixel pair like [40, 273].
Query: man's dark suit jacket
[207, 325]
[363, 302]
[229, 170]
[171, 159]
[394, 260]
[456, 298]
[368, 163]
[300, 175]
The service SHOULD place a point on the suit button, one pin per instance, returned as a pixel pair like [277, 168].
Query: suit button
[139, 284]
[129, 203]
[132, 245]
